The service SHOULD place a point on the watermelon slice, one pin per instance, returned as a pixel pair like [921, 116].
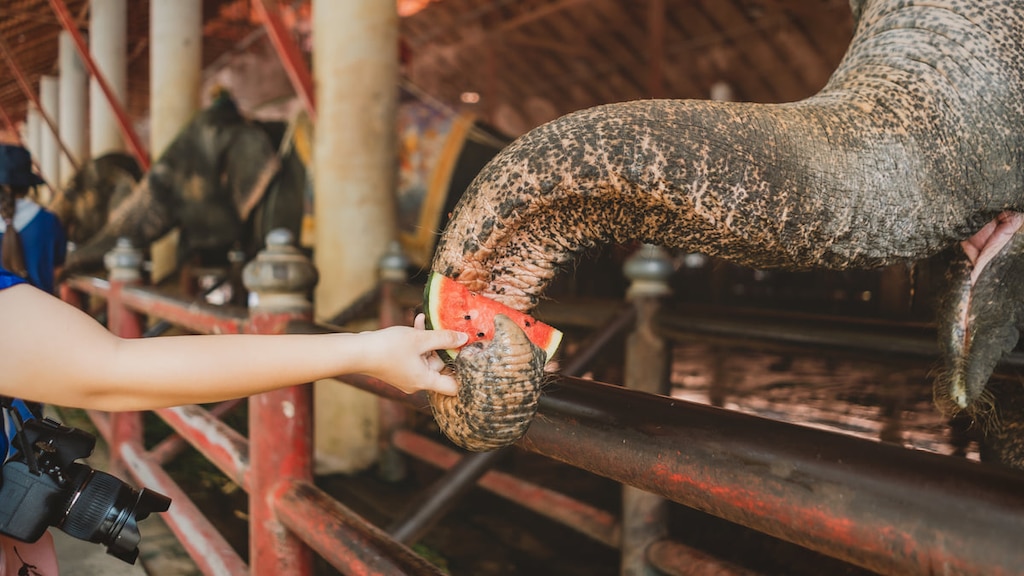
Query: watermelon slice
[449, 305]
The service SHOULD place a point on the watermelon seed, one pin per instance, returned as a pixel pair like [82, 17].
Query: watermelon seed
[467, 317]
[480, 334]
[527, 323]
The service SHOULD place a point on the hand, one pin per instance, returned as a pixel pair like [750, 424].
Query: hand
[404, 357]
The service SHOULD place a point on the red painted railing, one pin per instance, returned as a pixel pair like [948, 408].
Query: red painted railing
[882, 507]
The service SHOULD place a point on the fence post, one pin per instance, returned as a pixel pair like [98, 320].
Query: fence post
[281, 422]
[124, 264]
[645, 515]
[391, 465]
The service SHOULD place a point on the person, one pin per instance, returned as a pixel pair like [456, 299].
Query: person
[55, 353]
[33, 243]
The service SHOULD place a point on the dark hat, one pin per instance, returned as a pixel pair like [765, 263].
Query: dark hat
[16, 167]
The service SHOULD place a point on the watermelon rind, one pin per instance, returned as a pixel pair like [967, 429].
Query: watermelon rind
[432, 307]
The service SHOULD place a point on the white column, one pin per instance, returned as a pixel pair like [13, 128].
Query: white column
[34, 139]
[355, 63]
[175, 58]
[108, 30]
[73, 97]
[49, 156]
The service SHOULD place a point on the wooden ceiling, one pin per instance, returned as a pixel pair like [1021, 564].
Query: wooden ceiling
[517, 63]
[532, 60]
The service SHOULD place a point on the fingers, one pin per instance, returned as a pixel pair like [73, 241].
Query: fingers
[440, 339]
[434, 362]
[444, 384]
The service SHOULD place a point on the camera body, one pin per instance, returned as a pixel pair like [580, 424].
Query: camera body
[43, 485]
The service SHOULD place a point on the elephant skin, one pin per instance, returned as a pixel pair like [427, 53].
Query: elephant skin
[221, 180]
[914, 145]
[97, 187]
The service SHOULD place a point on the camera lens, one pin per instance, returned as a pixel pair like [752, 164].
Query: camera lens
[105, 510]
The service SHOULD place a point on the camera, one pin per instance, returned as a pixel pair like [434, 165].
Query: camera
[41, 485]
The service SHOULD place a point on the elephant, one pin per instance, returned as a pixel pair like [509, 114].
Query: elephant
[913, 147]
[99, 185]
[225, 183]
[222, 180]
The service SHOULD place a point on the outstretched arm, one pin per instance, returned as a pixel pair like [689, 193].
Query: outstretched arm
[55, 353]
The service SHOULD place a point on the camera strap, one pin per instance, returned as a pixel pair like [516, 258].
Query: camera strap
[15, 413]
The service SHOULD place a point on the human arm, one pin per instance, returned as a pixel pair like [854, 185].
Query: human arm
[54, 353]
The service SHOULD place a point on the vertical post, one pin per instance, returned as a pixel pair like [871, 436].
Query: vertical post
[355, 179]
[645, 515]
[175, 60]
[392, 271]
[34, 140]
[108, 33]
[72, 104]
[124, 263]
[49, 159]
[280, 426]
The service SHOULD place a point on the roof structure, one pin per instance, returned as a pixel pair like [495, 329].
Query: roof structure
[517, 63]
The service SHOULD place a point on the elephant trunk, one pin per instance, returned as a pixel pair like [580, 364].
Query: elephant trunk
[905, 151]
[140, 217]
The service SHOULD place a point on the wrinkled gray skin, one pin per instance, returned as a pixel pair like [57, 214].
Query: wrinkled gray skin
[913, 146]
[220, 180]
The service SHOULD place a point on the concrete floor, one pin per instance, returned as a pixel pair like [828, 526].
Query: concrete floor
[160, 554]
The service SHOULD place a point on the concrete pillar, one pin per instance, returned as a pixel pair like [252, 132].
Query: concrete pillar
[355, 63]
[34, 139]
[74, 99]
[49, 157]
[108, 45]
[175, 59]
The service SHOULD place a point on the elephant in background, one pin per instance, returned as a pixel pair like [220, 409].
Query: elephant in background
[223, 180]
[98, 186]
[227, 181]
[913, 147]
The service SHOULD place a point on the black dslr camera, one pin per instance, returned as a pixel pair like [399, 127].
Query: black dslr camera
[42, 486]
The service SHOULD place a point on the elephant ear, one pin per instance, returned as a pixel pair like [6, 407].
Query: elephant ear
[250, 164]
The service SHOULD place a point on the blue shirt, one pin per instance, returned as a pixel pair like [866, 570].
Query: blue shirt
[6, 281]
[44, 247]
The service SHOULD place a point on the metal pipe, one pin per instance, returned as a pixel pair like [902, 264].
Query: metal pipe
[220, 444]
[883, 507]
[575, 364]
[26, 89]
[173, 445]
[324, 523]
[291, 58]
[127, 130]
[598, 524]
[675, 559]
[432, 504]
[207, 547]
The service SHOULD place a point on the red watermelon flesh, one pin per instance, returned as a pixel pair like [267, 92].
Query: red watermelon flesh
[449, 305]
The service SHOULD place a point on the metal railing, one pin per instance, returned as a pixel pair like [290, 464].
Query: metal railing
[882, 507]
